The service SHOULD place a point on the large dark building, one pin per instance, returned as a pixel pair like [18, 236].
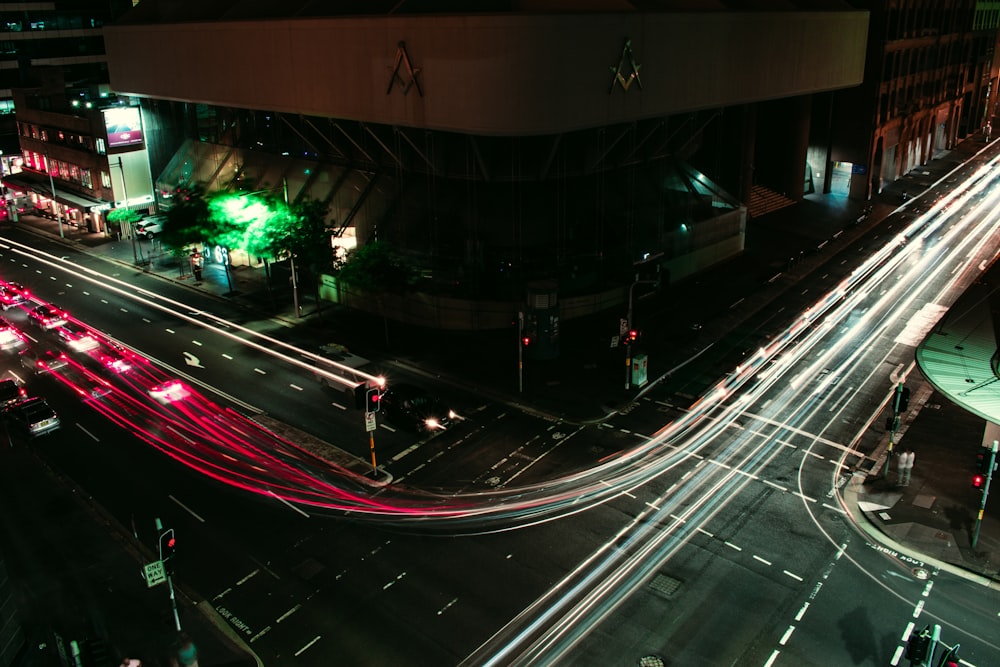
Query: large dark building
[543, 150]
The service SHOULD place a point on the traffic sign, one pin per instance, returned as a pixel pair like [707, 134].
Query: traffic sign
[155, 573]
[622, 326]
[369, 421]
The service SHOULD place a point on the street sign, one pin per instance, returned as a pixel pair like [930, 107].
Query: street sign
[155, 573]
[614, 341]
[622, 326]
[369, 421]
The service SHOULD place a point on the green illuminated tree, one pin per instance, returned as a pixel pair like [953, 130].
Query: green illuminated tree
[187, 222]
[379, 269]
[122, 216]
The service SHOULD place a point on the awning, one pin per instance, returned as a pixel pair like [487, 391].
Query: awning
[30, 182]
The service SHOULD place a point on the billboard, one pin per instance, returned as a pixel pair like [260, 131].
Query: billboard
[123, 126]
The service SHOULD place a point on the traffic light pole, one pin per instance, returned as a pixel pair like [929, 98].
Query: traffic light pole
[170, 583]
[985, 492]
[898, 404]
[628, 328]
[520, 351]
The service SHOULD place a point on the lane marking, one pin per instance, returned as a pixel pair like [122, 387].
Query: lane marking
[92, 436]
[187, 509]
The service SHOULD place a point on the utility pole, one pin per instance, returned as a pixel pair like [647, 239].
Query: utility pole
[900, 401]
[52, 184]
[520, 351]
[291, 258]
[984, 494]
[160, 535]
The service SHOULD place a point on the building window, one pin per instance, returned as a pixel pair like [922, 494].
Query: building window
[85, 179]
[101, 149]
[45, 135]
[105, 179]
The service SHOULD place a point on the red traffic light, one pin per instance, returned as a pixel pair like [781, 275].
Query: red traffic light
[633, 335]
[978, 481]
[526, 340]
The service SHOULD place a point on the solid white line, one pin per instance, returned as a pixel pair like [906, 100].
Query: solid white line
[93, 437]
[288, 503]
[303, 649]
[187, 509]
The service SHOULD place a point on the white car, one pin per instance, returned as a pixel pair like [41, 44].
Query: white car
[148, 228]
[168, 392]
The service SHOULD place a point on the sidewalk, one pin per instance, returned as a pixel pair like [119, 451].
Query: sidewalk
[931, 519]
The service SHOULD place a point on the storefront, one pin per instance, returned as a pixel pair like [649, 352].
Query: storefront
[31, 193]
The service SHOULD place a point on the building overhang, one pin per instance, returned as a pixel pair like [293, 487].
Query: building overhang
[27, 181]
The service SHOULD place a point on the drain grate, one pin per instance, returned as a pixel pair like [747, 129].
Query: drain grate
[664, 585]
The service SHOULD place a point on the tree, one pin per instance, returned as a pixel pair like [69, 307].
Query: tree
[187, 222]
[122, 216]
[377, 268]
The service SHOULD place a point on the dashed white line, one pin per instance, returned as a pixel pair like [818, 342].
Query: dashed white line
[257, 370]
[197, 342]
[304, 648]
[296, 387]
[92, 436]
[226, 356]
[398, 577]
[288, 613]
[907, 631]
[792, 575]
[170, 331]
[774, 656]
[788, 633]
[776, 486]
[147, 320]
[445, 608]
[927, 588]
[896, 656]
[765, 562]
[802, 612]
[124, 310]
[732, 546]
[918, 609]
[104, 301]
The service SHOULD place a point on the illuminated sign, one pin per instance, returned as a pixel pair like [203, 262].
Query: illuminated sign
[123, 126]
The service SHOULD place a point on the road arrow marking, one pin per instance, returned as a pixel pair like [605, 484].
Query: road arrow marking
[192, 360]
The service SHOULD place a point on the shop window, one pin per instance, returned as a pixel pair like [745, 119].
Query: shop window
[85, 179]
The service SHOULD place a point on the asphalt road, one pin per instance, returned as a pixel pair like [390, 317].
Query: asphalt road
[727, 545]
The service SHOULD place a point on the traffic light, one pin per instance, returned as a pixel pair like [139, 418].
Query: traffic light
[902, 400]
[978, 481]
[983, 460]
[374, 399]
[917, 646]
[168, 545]
[632, 336]
[525, 340]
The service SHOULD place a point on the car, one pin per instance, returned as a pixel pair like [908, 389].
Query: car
[412, 407]
[10, 337]
[113, 358]
[77, 338]
[11, 294]
[149, 228]
[47, 317]
[168, 392]
[11, 392]
[32, 416]
[41, 360]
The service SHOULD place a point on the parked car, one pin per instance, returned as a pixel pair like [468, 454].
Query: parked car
[409, 406]
[11, 392]
[11, 294]
[149, 228]
[41, 360]
[47, 317]
[32, 416]
[10, 337]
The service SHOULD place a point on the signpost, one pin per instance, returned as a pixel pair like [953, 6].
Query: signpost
[369, 421]
[156, 574]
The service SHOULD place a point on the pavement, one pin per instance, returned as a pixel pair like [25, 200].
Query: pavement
[929, 522]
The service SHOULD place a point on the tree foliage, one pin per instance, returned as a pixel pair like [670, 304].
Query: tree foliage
[187, 221]
[377, 267]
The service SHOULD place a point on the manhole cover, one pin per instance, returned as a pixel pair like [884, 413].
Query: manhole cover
[651, 661]
[665, 585]
[920, 573]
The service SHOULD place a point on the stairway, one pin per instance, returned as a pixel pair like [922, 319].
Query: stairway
[764, 200]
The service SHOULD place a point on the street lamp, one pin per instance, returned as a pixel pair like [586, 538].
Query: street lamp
[52, 184]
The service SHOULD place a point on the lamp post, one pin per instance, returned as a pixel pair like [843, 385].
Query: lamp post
[52, 184]
[131, 226]
[291, 259]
